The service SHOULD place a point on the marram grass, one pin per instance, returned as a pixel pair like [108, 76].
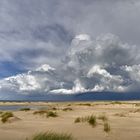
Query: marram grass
[5, 116]
[52, 136]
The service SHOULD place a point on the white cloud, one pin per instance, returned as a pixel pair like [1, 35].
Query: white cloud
[103, 64]
[44, 67]
[133, 72]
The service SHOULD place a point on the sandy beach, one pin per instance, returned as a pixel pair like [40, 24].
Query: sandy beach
[123, 118]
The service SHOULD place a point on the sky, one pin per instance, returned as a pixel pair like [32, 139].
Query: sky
[69, 47]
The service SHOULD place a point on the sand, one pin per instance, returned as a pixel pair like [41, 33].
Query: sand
[123, 118]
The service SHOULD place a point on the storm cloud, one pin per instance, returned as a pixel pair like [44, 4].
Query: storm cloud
[103, 64]
[68, 46]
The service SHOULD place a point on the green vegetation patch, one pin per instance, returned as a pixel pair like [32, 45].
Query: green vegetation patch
[84, 104]
[106, 127]
[77, 120]
[25, 109]
[67, 109]
[47, 113]
[51, 114]
[5, 116]
[52, 136]
[40, 112]
[90, 119]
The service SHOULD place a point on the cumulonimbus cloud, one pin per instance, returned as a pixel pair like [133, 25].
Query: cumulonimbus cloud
[101, 64]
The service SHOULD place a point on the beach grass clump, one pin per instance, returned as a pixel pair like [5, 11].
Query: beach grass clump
[25, 109]
[52, 136]
[40, 112]
[137, 104]
[103, 118]
[84, 104]
[81, 119]
[92, 121]
[51, 114]
[77, 120]
[54, 108]
[67, 109]
[48, 113]
[5, 116]
[107, 127]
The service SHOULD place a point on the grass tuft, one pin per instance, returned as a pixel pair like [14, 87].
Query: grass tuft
[25, 109]
[84, 104]
[67, 109]
[92, 121]
[51, 114]
[46, 112]
[77, 120]
[106, 127]
[5, 116]
[52, 136]
[40, 112]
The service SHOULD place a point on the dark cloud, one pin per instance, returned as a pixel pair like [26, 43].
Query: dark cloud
[33, 33]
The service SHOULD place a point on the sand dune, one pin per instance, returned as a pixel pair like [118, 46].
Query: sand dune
[123, 118]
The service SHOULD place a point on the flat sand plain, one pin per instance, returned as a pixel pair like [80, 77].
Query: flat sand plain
[123, 118]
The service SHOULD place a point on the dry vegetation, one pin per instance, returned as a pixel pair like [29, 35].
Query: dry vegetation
[25, 109]
[67, 109]
[53, 136]
[106, 127]
[92, 122]
[5, 116]
[48, 113]
[90, 119]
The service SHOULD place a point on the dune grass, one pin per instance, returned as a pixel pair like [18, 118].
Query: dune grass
[48, 113]
[106, 127]
[51, 114]
[5, 116]
[67, 109]
[77, 120]
[52, 136]
[54, 108]
[25, 109]
[84, 104]
[90, 119]
[40, 112]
